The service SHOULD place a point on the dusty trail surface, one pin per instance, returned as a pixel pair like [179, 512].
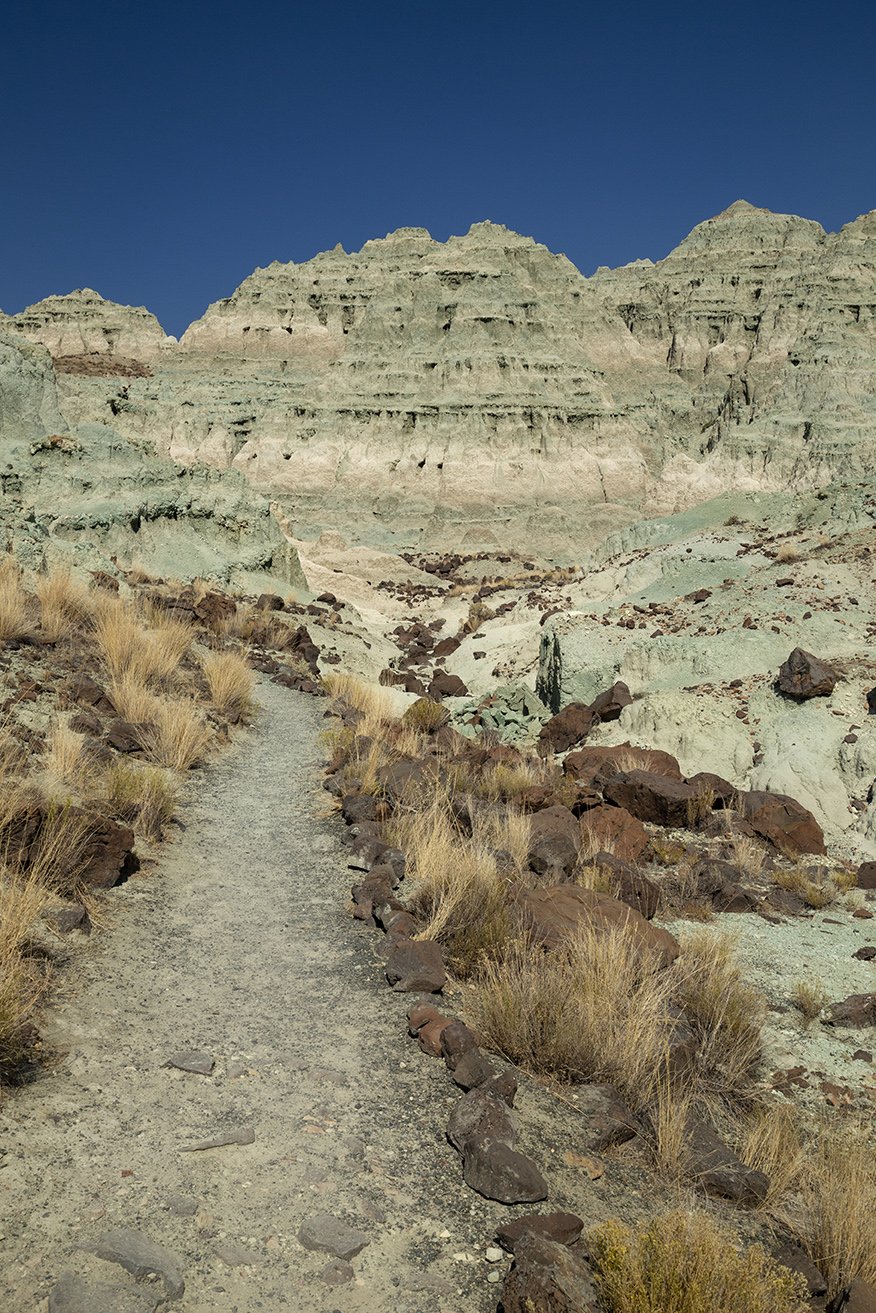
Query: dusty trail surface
[238, 945]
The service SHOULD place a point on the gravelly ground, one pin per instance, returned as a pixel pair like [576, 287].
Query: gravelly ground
[239, 945]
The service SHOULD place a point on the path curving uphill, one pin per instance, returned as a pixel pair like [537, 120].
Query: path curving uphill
[237, 947]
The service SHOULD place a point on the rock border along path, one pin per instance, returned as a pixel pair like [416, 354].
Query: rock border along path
[238, 949]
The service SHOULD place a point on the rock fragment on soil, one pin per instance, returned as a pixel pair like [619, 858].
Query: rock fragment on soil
[238, 1135]
[73, 1295]
[200, 1064]
[142, 1257]
[331, 1235]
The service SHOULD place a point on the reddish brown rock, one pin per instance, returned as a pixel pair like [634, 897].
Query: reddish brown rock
[655, 798]
[561, 1228]
[213, 608]
[606, 1120]
[804, 676]
[554, 840]
[429, 1036]
[565, 729]
[588, 764]
[856, 1010]
[717, 1169]
[480, 1113]
[866, 876]
[608, 705]
[555, 914]
[445, 685]
[496, 1171]
[416, 965]
[614, 830]
[783, 822]
[472, 1070]
[548, 1278]
[456, 1041]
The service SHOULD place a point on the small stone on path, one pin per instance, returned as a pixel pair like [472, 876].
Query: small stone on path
[332, 1235]
[181, 1205]
[236, 1255]
[239, 1135]
[73, 1295]
[142, 1257]
[201, 1064]
[336, 1273]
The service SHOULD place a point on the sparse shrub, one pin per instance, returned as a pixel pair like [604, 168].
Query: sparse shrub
[64, 603]
[14, 621]
[594, 1009]
[726, 1013]
[835, 1213]
[809, 998]
[177, 737]
[425, 716]
[748, 855]
[686, 1262]
[788, 554]
[504, 782]
[456, 887]
[230, 682]
[142, 796]
[816, 891]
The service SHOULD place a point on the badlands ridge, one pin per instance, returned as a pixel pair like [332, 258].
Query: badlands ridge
[585, 455]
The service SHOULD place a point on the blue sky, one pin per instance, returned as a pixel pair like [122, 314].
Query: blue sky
[160, 152]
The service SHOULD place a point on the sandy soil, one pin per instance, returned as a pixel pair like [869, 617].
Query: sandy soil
[239, 946]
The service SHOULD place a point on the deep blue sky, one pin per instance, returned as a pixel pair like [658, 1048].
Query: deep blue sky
[159, 152]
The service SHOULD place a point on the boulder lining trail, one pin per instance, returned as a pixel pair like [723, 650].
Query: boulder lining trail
[235, 948]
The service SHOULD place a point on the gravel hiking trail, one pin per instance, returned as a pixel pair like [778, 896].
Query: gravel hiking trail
[237, 944]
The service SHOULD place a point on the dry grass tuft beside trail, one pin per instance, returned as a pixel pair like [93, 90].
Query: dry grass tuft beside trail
[374, 702]
[596, 1009]
[144, 797]
[686, 1262]
[229, 681]
[177, 736]
[456, 887]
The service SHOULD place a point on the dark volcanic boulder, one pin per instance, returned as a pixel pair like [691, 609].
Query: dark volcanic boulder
[556, 914]
[548, 1278]
[655, 798]
[588, 765]
[804, 676]
[783, 822]
[613, 830]
[554, 840]
[611, 703]
[565, 729]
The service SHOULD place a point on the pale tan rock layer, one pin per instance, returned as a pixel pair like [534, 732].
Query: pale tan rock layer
[484, 384]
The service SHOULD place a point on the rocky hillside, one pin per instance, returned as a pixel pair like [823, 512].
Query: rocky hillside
[484, 385]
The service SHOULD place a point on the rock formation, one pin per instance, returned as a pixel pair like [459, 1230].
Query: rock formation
[484, 385]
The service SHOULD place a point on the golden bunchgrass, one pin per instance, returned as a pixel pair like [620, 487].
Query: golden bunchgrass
[230, 682]
[14, 620]
[177, 736]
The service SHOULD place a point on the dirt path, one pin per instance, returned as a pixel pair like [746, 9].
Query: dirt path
[238, 945]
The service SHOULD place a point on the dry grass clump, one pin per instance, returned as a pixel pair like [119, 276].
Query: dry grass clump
[747, 854]
[686, 1262]
[771, 1141]
[133, 699]
[594, 1009]
[372, 700]
[504, 782]
[816, 891]
[142, 796]
[22, 981]
[809, 998]
[66, 766]
[425, 716]
[177, 736]
[456, 887]
[14, 622]
[505, 830]
[727, 1015]
[65, 602]
[131, 650]
[788, 554]
[230, 682]
[835, 1212]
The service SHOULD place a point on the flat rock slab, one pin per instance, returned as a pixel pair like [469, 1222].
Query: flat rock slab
[201, 1064]
[73, 1295]
[234, 1254]
[142, 1257]
[331, 1235]
[416, 966]
[499, 1172]
[238, 1135]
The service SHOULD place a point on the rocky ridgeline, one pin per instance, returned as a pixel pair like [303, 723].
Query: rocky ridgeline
[448, 381]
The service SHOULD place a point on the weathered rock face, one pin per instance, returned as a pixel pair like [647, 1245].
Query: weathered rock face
[87, 493]
[449, 380]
